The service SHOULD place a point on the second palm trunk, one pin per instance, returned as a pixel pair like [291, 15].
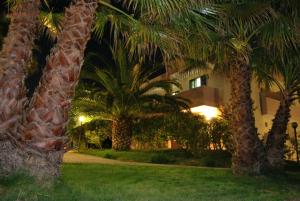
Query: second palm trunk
[121, 134]
[277, 135]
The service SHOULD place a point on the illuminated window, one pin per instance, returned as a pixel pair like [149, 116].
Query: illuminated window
[198, 82]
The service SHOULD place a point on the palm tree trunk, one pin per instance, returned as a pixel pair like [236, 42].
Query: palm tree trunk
[45, 122]
[121, 134]
[277, 135]
[14, 57]
[246, 157]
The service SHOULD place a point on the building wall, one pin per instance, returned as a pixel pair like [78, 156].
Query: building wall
[263, 120]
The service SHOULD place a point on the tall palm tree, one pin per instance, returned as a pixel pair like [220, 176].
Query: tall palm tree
[233, 27]
[14, 56]
[278, 58]
[285, 75]
[276, 39]
[237, 30]
[276, 138]
[42, 132]
[45, 120]
[125, 92]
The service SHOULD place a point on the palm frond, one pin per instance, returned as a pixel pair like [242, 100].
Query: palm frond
[165, 86]
[52, 21]
[249, 13]
[125, 90]
[166, 8]
[279, 35]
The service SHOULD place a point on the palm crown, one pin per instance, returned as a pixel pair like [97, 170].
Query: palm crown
[126, 90]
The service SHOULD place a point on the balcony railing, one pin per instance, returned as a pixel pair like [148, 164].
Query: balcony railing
[202, 96]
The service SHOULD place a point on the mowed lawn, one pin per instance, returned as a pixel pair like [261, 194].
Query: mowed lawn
[91, 182]
[178, 157]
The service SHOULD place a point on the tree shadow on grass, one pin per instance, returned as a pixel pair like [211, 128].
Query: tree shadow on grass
[23, 187]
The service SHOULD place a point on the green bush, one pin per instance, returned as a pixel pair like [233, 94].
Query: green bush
[198, 135]
[220, 135]
[109, 156]
[215, 159]
[92, 133]
[160, 159]
[188, 130]
[150, 132]
[193, 132]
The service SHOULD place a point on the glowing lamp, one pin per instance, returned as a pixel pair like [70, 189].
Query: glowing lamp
[207, 111]
[81, 119]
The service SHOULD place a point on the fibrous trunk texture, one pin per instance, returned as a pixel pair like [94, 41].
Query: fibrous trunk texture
[16, 53]
[45, 122]
[14, 57]
[277, 135]
[121, 134]
[248, 151]
[11, 159]
[18, 157]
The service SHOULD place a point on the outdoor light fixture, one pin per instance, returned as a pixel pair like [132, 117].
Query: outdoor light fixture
[207, 111]
[81, 119]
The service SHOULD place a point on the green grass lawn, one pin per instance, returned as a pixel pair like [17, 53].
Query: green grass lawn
[95, 182]
[180, 157]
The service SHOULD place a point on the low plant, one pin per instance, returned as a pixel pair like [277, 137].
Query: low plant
[160, 159]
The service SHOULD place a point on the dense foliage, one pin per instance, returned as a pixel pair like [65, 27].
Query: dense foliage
[191, 132]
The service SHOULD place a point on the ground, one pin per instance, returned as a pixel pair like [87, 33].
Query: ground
[178, 157]
[130, 182]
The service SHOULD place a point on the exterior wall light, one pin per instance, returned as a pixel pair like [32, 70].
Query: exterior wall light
[208, 111]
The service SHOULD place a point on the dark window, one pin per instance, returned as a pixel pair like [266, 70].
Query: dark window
[198, 82]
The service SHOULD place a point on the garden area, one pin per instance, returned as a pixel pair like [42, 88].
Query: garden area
[149, 100]
[177, 157]
[93, 182]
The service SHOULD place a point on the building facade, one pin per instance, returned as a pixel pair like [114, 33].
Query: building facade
[208, 92]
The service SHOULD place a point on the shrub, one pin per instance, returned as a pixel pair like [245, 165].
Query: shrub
[189, 130]
[193, 132]
[92, 133]
[109, 156]
[150, 133]
[197, 134]
[160, 159]
[220, 135]
[215, 159]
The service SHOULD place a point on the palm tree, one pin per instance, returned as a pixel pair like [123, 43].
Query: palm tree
[15, 55]
[45, 120]
[276, 138]
[233, 27]
[278, 58]
[40, 146]
[238, 29]
[276, 35]
[285, 74]
[123, 93]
